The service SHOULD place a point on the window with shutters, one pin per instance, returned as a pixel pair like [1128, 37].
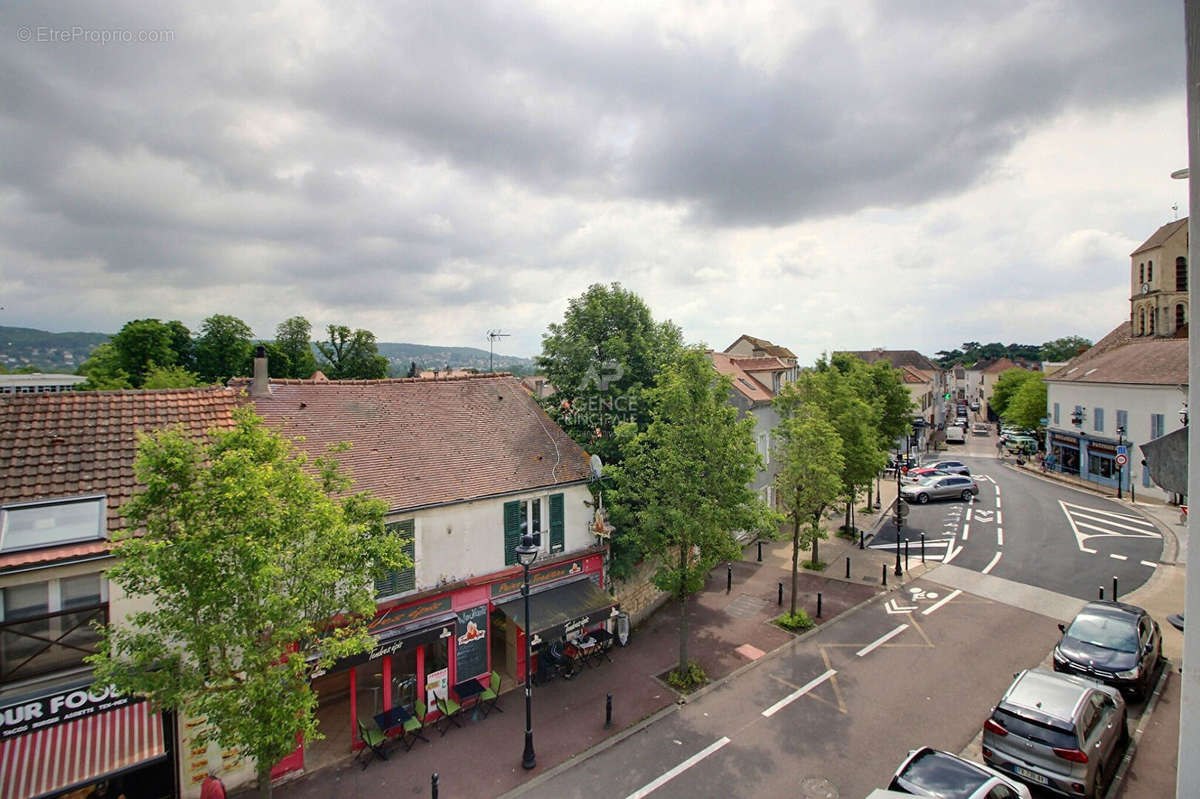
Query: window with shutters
[557, 524]
[513, 515]
[401, 580]
[1098, 419]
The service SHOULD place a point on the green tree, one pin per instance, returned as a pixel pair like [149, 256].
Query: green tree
[1065, 348]
[293, 338]
[1007, 385]
[223, 349]
[1027, 407]
[351, 356]
[600, 359]
[170, 377]
[103, 370]
[809, 479]
[248, 552]
[142, 344]
[691, 469]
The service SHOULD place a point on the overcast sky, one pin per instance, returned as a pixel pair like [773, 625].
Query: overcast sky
[840, 175]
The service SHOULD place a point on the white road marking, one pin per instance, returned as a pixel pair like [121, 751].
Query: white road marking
[969, 509]
[951, 554]
[1124, 516]
[1150, 563]
[799, 692]
[988, 568]
[941, 602]
[1115, 556]
[1109, 525]
[999, 517]
[999, 536]
[1082, 548]
[654, 785]
[966, 531]
[997, 502]
[880, 641]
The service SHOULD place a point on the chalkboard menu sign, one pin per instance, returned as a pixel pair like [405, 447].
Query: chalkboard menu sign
[470, 659]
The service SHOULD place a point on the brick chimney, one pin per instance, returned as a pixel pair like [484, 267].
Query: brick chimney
[260, 386]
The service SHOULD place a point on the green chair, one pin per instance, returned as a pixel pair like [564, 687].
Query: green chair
[373, 738]
[491, 695]
[413, 727]
[450, 710]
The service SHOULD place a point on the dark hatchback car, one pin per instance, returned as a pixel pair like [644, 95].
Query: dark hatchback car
[1114, 643]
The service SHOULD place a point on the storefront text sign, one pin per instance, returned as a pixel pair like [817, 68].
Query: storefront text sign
[47, 711]
[410, 613]
[537, 578]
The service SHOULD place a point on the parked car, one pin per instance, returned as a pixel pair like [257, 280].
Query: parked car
[956, 433]
[1115, 643]
[920, 473]
[981, 429]
[941, 487]
[1020, 444]
[956, 467]
[1057, 731]
[933, 773]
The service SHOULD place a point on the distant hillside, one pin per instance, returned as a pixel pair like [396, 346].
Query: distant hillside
[63, 352]
[48, 352]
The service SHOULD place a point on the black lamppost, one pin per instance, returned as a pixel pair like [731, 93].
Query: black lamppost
[899, 523]
[527, 553]
[1120, 468]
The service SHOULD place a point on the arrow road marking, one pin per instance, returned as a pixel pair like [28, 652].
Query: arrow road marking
[983, 515]
[893, 607]
[654, 785]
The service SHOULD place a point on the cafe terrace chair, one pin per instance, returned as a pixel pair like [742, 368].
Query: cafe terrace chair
[373, 738]
[413, 727]
[450, 710]
[491, 695]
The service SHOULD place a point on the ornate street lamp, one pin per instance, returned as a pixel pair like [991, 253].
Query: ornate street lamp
[1120, 469]
[527, 553]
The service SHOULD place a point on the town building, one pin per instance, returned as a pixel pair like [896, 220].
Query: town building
[927, 384]
[38, 383]
[1159, 283]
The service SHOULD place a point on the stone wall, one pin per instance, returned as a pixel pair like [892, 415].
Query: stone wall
[637, 595]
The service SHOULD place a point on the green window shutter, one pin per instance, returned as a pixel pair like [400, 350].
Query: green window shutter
[512, 531]
[557, 527]
[401, 580]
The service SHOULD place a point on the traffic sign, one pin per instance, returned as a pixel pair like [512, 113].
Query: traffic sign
[1122, 460]
[1044, 421]
[1122, 450]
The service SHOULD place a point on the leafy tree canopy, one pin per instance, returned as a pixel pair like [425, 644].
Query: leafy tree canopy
[249, 552]
[1027, 407]
[600, 359]
[688, 474]
[1064, 349]
[170, 377]
[1007, 385]
[223, 348]
[351, 355]
[144, 343]
[293, 341]
[972, 352]
[103, 370]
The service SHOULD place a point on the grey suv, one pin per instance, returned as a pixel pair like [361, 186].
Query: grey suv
[1057, 731]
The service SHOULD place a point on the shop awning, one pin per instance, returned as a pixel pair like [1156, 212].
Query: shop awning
[561, 610]
[54, 758]
[390, 640]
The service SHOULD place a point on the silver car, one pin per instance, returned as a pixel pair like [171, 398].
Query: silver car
[1058, 731]
[951, 486]
[933, 773]
[957, 467]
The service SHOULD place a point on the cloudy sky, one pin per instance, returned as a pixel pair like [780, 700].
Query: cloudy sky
[838, 175]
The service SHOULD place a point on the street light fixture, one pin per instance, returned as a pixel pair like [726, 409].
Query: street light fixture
[899, 521]
[1120, 468]
[527, 553]
[1183, 415]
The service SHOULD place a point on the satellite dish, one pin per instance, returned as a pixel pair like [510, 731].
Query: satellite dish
[597, 467]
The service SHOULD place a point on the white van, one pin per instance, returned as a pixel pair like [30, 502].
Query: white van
[955, 434]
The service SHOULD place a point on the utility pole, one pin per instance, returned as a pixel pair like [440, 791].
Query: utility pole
[492, 336]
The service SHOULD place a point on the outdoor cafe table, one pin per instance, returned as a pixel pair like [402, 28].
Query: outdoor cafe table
[390, 720]
[470, 689]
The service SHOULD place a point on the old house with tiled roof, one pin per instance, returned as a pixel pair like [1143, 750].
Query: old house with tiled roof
[465, 465]
[66, 467]
[751, 347]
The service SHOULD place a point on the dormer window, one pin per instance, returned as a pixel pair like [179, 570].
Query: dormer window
[48, 523]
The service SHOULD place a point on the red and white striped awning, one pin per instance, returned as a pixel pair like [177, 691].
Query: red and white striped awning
[48, 760]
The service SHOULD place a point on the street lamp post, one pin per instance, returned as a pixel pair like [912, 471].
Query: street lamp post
[527, 553]
[899, 523]
[1120, 468]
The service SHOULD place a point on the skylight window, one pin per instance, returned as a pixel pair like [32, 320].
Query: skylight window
[1072, 369]
[49, 523]
[1089, 371]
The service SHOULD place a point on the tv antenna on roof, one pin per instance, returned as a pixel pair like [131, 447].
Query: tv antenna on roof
[492, 336]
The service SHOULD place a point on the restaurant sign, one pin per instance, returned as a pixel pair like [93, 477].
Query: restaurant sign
[538, 578]
[410, 613]
[59, 708]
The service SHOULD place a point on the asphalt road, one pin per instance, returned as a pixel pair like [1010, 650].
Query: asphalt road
[830, 715]
[1034, 531]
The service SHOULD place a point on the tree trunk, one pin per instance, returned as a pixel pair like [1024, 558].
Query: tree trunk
[870, 494]
[264, 781]
[795, 558]
[816, 537]
[683, 653]
[846, 526]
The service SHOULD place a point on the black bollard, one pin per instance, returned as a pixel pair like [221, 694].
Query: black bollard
[434, 781]
[847, 567]
[922, 547]
[818, 604]
[760, 551]
[906, 554]
[885, 574]
[608, 712]
[860, 540]
[781, 594]
[1114, 588]
[728, 578]
[1102, 592]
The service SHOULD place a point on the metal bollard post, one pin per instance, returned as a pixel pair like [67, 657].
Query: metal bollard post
[728, 578]
[434, 781]
[608, 711]
[860, 540]
[818, 604]
[781, 594]
[885, 574]
[1114, 588]
[922, 547]
[906, 554]
[1102, 592]
[760, 551]
[847, 567]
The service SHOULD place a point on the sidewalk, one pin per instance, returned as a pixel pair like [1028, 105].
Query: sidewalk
[727, 630]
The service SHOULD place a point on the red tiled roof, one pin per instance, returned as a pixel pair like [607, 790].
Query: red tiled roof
[84, 442]
[765, 346]
[1160, 236]
[1139, 361]
[896, 358]
[760, 363]
[743, 382]
[425, 442]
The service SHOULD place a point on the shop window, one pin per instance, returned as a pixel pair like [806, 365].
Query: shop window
[1098, 419]
[400, 580]
[557, 524]
[437, 670]
[46, 627]
[1181, 274]
[44, 524]
[1180, 319]
[1100, 466]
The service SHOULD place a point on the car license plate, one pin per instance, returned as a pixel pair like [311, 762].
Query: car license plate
[1031, 775]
